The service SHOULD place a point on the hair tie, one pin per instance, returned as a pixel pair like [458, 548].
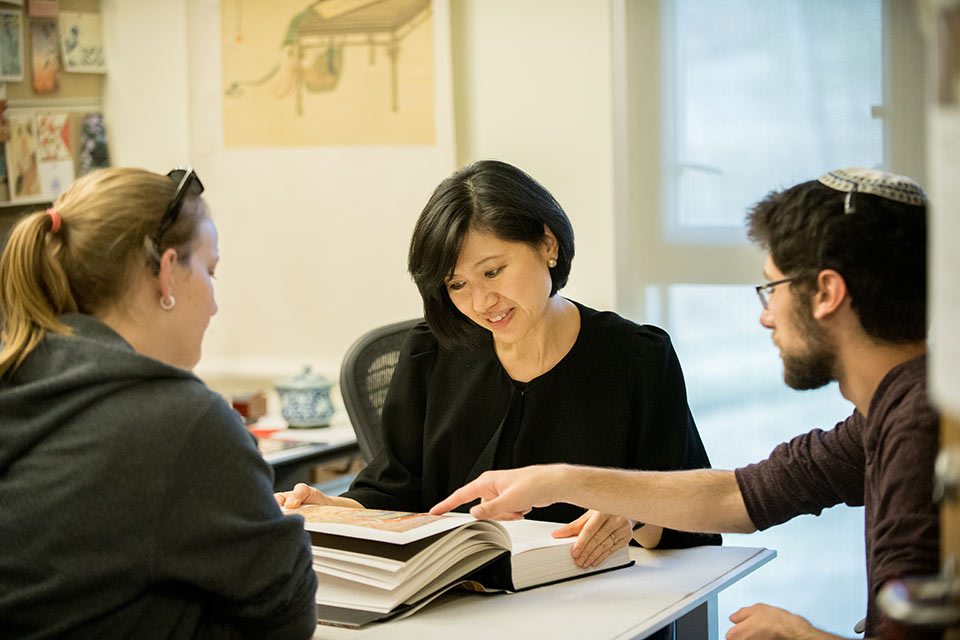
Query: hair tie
[55, 217]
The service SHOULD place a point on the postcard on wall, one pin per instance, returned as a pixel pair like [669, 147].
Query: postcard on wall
[46, 55]
[11, 45]
[53, 149]
[81, 41]
[22, 171]
[91, 151]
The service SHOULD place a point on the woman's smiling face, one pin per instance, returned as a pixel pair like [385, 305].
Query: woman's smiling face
[502, 286]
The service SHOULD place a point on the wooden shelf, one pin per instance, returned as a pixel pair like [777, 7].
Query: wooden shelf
[26, 203]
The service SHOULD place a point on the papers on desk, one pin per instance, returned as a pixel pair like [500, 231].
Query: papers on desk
[327, 435]
[339, 431]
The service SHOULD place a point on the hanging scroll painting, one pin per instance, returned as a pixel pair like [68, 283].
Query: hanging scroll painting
[328, 72]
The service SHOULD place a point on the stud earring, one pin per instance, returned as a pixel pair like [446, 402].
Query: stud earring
[552, 262]
[167, 302]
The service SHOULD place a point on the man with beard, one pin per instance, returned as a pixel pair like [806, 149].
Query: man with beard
[846, 301]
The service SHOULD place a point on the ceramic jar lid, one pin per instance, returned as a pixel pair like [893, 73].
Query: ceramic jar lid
[304, 380]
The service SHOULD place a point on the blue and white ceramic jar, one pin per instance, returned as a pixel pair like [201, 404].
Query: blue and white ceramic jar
[305, 400]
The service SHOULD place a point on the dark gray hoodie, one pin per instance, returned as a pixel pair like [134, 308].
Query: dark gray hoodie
[133, 504]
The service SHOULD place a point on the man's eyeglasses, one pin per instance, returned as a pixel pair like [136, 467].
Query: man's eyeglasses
[763, 290]
[187, 184]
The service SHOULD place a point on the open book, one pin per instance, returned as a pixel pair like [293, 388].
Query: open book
[373, 564]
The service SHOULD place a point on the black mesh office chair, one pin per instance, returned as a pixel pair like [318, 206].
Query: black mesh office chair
[364, 377]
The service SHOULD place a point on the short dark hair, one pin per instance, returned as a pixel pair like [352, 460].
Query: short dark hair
[489, 196]
[880, 249]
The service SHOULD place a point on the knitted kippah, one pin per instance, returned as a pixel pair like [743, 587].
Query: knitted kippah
[878, 183]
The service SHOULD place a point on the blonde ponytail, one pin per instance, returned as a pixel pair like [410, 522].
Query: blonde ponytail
[34, 290]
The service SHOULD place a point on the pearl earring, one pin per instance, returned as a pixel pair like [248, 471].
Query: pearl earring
[167, 302]
[552, 262]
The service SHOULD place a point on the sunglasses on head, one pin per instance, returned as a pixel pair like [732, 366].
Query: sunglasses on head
[188, 183]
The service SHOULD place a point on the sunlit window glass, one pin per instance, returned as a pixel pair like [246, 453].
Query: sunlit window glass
[743, 410]
[766, 93]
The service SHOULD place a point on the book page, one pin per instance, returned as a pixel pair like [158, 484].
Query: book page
[534, 534]
[395, 527]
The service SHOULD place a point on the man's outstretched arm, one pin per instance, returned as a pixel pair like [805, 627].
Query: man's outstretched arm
[704, 500]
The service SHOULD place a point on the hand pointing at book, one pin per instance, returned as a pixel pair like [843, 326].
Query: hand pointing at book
[507, 495]
[510, 494]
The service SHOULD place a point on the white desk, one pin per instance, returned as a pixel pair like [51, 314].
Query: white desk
[663, 587]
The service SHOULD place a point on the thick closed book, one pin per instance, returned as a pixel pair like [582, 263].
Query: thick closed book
[374, 564]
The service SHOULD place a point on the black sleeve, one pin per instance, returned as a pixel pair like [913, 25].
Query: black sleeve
[393, 480]
[219, 530]
[668, 438]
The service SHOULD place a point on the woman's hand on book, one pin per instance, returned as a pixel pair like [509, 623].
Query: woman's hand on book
[598, 535]
[305, 494]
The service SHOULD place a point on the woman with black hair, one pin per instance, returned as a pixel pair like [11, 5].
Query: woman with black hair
[505, 372]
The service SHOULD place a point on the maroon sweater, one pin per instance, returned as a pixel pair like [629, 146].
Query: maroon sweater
[883, 463]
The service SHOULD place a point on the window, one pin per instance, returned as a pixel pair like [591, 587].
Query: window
[758, 95]
[717, 104]
[743, 410]
[762, 93]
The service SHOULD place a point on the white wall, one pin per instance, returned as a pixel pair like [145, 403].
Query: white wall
[145, 94]
[313, 240]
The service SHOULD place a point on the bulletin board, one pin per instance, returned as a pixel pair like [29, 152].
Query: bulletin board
[59, 84]
[73, 86]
